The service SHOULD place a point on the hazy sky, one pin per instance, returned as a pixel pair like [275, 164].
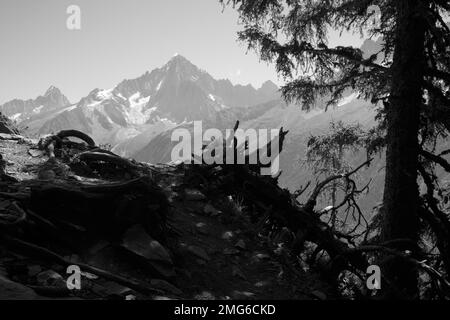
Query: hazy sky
[119, 39]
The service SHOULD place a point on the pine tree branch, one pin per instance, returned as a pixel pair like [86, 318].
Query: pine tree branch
[311, 203]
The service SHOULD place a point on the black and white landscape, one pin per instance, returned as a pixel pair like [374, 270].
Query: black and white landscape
[137, 116]
[93, 205]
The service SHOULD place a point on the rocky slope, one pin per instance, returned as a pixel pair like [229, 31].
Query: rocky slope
[209, 249]
[6, 125]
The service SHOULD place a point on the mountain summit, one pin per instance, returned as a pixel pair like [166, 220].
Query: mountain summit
[21, 110]
[52, 90]
[176, 92]
[185, 92]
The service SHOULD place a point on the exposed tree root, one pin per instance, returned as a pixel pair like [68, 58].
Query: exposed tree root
[105, 210]
[76, 134]
[43, 253]
[108, 208]
[97, 156]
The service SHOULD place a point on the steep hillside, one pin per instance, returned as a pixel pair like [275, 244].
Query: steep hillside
[6, 125]
[135, 231]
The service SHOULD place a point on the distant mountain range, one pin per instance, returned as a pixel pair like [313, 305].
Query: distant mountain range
[177, 92]
[21, 110]
[137, 116]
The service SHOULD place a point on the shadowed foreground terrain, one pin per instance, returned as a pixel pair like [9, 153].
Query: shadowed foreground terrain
[139, 231]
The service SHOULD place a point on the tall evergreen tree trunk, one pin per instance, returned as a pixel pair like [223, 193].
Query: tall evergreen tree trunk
[401, 194]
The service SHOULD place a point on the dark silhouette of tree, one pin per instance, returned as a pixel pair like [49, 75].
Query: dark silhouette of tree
[325, 155]
[409, 77]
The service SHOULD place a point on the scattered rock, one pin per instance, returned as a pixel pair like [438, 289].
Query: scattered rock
[162, 298]
[173, 196]
[165, 286]
[210, 210]
[262, 256]
[319, 295]
[152, 254]
[50, 278]
[199, 252]
[205, 295]
[242, 295]
[201, 227]
[236, 272]
[193, 195]
[35, 153]
[261, 284]
[140, 243]
[241, 245]
[228, 235]
[231, 251]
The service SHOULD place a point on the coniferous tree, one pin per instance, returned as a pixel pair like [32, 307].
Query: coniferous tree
[325, 155]
[409, 78]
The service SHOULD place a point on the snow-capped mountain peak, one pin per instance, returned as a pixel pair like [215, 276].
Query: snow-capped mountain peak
[176, 92]
[22, 110]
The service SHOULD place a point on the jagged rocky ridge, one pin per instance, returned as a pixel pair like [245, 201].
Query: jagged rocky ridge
[22, 110]
[145, 106]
